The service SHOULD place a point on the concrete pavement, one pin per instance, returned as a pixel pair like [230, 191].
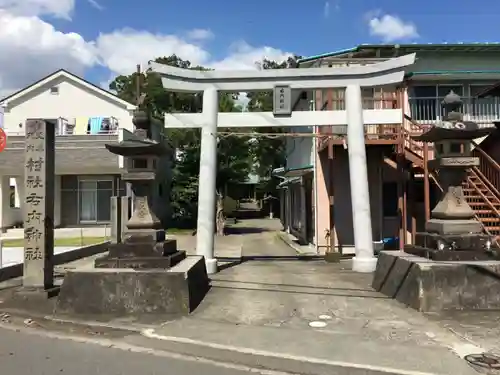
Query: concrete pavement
[307, 317]
[261, 312]
[31, 354]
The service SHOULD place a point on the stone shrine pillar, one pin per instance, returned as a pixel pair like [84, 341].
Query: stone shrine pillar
[38, 209]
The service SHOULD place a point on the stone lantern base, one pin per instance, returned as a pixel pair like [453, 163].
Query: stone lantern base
[142, 252]
[453, 233]
[451, 247]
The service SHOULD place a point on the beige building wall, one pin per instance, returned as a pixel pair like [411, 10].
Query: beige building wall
[379, 172]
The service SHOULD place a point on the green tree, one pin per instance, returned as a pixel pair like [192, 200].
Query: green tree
[234, 162]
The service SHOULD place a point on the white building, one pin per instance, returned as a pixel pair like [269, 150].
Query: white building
[87, 175]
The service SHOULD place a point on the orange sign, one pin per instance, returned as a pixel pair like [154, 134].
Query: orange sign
[3, 140]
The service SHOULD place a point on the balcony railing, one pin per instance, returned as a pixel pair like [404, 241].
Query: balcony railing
[429, 110]
[81, 126]
[68, 132]
[387, 100]
[339, 62]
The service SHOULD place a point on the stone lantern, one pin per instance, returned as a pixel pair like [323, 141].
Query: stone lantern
[144, 278]
[454, 120]
[452, 233]
[144, 242]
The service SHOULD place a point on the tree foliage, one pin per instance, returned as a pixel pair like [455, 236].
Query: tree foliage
[237, 156]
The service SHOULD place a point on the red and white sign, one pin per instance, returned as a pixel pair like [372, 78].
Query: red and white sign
[3, 140]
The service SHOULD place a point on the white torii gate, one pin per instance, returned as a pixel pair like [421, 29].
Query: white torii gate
[389, 72]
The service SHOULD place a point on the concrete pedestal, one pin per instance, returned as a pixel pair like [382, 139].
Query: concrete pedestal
[431, 286]
[446, 227]
[143, 295]
[142, 251]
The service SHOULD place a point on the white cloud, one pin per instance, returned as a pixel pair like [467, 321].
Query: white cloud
[243, 56]
[391, 28]
[122, 50]
[32, 48]
[326, 9]
[200, 34]
[95, 4]
[56, 8]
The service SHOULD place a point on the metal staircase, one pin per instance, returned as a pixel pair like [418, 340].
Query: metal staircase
[481, 186]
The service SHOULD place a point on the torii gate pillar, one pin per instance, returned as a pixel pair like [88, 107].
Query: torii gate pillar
[207, 181]
[365, 260]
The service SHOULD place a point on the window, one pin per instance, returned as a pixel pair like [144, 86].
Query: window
[140, 163]
[368, 97]
[94, 198]
[378, 98]
[439, 148]
[484, 107]
[54, 90]
[456, 148]
[425, 101]
[338, 99]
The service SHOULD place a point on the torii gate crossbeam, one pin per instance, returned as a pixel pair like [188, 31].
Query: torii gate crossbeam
[390, 72]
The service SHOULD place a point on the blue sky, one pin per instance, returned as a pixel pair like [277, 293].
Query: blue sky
[102, 38]
[304, 27]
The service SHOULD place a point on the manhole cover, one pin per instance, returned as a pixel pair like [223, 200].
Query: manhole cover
[317, 324]
[484, 360]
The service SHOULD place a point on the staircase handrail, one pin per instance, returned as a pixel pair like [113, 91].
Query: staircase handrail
[415, 146]
[491, 187]
[478, 174]
[482, 154]
[488, 164]
[470, 182]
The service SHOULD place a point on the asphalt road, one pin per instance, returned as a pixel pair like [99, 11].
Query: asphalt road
[27, 354]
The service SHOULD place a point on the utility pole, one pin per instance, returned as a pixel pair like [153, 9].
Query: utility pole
[138, 100]
[138, 86]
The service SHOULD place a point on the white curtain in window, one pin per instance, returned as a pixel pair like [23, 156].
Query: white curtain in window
[88, 200]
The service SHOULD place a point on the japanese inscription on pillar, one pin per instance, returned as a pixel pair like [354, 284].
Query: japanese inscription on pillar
[39, 204]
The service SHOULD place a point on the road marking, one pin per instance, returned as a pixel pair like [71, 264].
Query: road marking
[112, 344]
[150, 333]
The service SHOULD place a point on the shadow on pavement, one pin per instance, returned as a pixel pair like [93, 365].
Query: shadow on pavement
[245, 230]
[294, 285]
[226, 263]
[372, 296]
